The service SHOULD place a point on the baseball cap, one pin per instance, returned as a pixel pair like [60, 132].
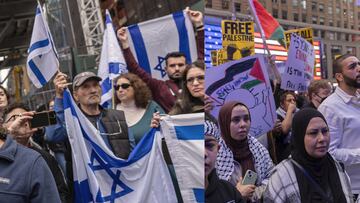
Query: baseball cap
[84, 76]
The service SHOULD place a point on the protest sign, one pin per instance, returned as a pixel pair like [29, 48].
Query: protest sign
[299, 67]
[247, 81]
[305, 33]
[218, 57]
[237, 39]
[214, 57]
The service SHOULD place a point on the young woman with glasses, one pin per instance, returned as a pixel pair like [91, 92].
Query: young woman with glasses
[134, 98]
[193, 90]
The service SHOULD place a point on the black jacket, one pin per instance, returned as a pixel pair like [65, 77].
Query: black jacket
[221, 191]
[59, 177]
[117, 129]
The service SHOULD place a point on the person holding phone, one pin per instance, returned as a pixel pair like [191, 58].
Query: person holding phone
[310, 174]
[133, 96]
[24, 175]
[242, 152]
[23, 137]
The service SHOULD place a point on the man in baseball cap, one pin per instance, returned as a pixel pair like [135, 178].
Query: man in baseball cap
[109, 122]
[84, 76]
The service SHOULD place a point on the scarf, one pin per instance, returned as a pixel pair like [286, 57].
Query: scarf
[240, 149]
[322, 170]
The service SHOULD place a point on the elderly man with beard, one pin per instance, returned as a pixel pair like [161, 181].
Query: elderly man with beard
[342, 113]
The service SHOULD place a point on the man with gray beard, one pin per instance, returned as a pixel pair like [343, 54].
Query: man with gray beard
[342, 113]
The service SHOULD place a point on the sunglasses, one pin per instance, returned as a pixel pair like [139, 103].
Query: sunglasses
[199, 78]
[123, 86]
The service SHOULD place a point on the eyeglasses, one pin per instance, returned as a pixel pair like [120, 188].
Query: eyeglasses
[199, 78]
[12, 118]
[123, 86]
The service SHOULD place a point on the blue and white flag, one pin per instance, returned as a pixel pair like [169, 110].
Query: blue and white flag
[184, 136]
[100, 176]
[42, 61]
[112, 62]
[151, 40]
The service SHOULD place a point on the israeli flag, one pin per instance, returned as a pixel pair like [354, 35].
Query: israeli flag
[112, 62]
[184, 136]
[42, 61]
[151, 40]
[99, 176]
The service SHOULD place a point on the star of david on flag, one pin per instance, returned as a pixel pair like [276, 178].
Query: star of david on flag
[152, 40]
[161, 66]
[100, 176]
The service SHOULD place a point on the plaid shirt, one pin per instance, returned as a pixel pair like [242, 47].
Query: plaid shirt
[283, 185]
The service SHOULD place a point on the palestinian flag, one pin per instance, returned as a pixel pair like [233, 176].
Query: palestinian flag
[269, 26]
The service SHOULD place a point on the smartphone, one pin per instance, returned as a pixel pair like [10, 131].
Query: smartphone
[42, 119]
[249, 178]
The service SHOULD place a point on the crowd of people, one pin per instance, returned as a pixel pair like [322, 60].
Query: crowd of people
[312, 154]
[139, 100]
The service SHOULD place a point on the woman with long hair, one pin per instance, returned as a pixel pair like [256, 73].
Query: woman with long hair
[134, 98]
[193, 90]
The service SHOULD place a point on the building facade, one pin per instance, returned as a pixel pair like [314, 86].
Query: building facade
[335, 22]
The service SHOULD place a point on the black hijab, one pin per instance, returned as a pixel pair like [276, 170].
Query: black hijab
[322, 170]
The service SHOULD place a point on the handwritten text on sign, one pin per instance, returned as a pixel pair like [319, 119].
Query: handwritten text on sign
[299, 66]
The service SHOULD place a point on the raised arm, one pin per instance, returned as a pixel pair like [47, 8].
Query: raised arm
[132, 65]
[197, 19]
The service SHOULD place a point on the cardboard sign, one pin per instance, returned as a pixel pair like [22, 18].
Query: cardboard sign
[305, 33]
[237, 39]
[299, 67]
[247, 81]
[218, 57]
